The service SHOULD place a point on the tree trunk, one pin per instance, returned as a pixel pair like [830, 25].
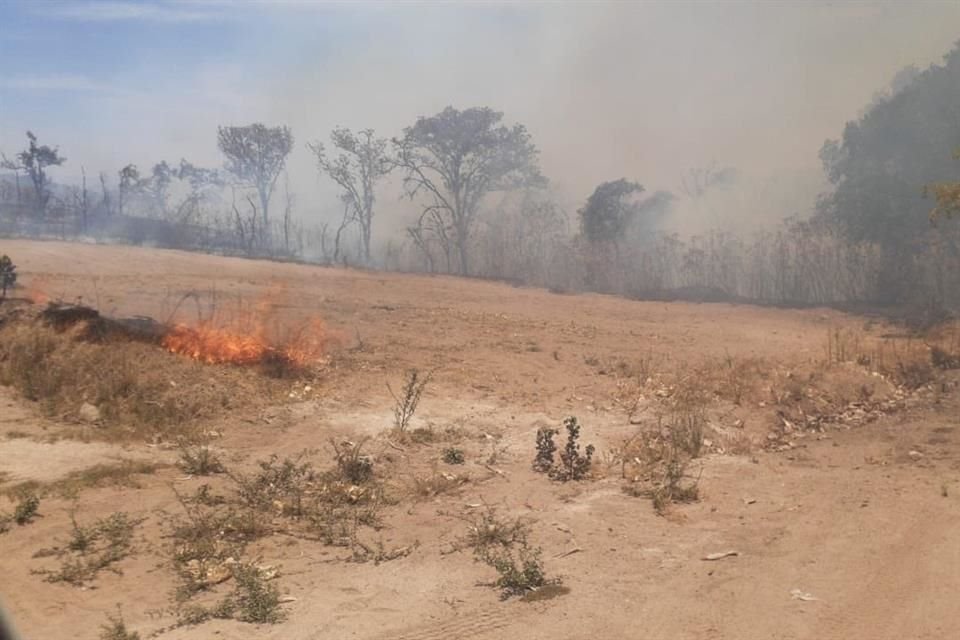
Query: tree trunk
[462, 243]
[264, 205]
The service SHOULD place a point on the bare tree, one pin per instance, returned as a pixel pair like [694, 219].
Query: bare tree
[82, 200]
[695, 182]
[105, 194]
[15, 166]
[256, 155]
[456, 158]
[362, 162]
[34, 160]
[129, 181]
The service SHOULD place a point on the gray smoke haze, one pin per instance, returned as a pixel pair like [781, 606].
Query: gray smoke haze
[642, 91]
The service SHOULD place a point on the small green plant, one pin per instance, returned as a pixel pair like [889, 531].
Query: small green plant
[674, 485]
[279, 482]
[200, 460]
[8, 275]
[503, 543]
[405, 405]
[92, 549]
[546, 448]
[520, 569]
[487, 529]
[573, 464]
[453, 455]
[26, 509]
[254, 599]
[116, 629]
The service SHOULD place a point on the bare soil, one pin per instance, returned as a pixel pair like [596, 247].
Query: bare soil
[847, 532]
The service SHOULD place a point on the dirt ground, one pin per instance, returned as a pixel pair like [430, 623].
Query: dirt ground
[848, 532]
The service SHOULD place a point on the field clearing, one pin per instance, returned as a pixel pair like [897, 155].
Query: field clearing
[860, 512]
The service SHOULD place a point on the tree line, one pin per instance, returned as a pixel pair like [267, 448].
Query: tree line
[885, 232]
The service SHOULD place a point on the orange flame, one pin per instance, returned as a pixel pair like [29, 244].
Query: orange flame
[34, 292]
[214, 345]
[36, 297]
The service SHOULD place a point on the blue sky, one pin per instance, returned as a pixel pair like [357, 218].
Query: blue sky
[608, 90]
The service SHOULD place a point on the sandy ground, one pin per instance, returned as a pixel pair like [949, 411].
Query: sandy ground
[862, 520]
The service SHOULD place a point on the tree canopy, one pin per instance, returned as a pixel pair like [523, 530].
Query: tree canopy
[455, 158]
[256, 155]
[884, 160]
[362, 161]
[615, 211]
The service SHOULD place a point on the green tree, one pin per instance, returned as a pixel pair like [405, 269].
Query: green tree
[455, 159]
[8, 275]
[35, 160]
[615, 212]
[362, 162]
[947, 195]
[880, 166]
[256, 155]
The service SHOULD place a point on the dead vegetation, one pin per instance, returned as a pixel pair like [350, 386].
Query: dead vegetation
[435, 483]
[405, 404]
[286, 496]
[116, 629]
[656, 459]
[199, 460]
[121, 474]
[113, 375]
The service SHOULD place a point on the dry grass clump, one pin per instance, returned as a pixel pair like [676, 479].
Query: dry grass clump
[437, 483]
[408, 399]
[453, 455]
[116, 629]
[655, 461]
[281, 495]
[910, 360]
[120, 474]
[199, 460]
[130, 383]
[486, 528]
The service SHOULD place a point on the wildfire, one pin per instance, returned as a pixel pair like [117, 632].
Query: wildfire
[215, 345]
[211, 345]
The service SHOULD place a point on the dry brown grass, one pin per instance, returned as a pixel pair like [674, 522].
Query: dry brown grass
[906, 358]
[121, 474]
[656, 459]
[436, 483]
[139, 389]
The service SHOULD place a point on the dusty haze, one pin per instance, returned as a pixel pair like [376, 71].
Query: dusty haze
[607, 90]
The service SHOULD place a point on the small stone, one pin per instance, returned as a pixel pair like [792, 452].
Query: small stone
[89, 413]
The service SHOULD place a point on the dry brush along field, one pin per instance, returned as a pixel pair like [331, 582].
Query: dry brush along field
[194, 446]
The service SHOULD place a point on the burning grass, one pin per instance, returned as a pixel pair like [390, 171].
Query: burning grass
[210, 344]
[66, 358]
[249, 335]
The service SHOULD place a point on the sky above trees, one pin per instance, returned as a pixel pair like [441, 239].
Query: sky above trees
[638, 91]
